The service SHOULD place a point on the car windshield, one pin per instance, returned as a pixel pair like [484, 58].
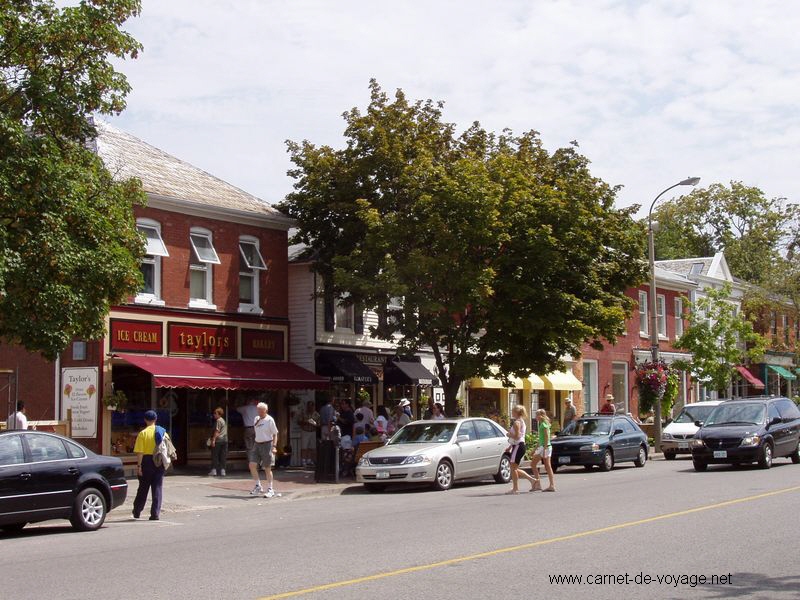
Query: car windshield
[424, 433]
[732, 413]
[588, 427]
[690, 414]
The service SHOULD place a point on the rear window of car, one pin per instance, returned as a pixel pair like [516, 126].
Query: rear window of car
[11, 452]
[74, 450]
[487, 430]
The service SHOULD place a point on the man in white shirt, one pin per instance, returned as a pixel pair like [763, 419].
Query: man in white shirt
[18, 420]
[266, 444]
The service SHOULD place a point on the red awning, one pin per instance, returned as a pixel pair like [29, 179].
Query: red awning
[750, 378]
[169, 372]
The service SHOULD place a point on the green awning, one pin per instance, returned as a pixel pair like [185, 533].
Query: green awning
[785, 373]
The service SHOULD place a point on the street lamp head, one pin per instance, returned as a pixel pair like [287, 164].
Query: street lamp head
[690, 181]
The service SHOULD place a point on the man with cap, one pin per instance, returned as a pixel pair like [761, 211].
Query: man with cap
[569, 413]
[151, 477]
[609, 408]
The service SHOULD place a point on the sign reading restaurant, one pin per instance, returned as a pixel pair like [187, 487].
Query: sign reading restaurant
[210, 341]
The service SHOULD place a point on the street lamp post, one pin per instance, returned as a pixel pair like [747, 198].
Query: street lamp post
[654, 304]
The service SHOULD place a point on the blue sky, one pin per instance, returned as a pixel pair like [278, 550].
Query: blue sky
[652, 91]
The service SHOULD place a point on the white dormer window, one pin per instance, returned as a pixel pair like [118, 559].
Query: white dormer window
[201, 268]
[150, 265]
[250, 264]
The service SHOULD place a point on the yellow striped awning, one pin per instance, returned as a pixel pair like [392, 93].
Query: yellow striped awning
[532, 382]
[562, 380]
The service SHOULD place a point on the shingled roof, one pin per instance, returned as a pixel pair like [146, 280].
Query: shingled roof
[167, 177]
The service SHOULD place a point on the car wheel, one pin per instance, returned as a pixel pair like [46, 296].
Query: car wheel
[375, 488]
[699, 466]
[588, 467]
[444, 476]
[641, 458]
[796, 455]
[608, 461]
[88, 510]
[503, 474]
[13, 527]
[669, 455]
[765, 460]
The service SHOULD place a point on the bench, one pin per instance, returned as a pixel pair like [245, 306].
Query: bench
[365, 447]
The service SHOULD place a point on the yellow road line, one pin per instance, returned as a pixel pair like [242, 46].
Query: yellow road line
[563, 538]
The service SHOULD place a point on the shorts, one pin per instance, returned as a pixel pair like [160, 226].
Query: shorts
[249, 441]
[262, 453]
[308, 440]
[544, 452]
[518, 453]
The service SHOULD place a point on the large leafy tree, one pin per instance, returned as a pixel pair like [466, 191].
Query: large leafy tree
[68, 242]
[504, 254]
[738, 219]
[719, 338]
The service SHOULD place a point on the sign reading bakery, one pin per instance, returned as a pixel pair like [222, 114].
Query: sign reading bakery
[143, 337]
[263, 343]
[210, 341]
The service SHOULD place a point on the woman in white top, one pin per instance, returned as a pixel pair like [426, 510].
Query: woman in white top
[437, 412]
[517, 448]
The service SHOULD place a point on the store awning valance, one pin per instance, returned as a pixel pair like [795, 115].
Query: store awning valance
[345, 367]
[203, 373]
[785, 373]
[532, 382]
[408, 372]
[750, 378]
[562, 380]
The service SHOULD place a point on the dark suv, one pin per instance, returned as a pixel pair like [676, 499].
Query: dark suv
[748, 430]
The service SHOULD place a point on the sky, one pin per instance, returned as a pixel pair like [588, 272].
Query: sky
[653, 91]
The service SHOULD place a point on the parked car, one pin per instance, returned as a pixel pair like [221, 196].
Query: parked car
[748, 430]
[677, 436]
[602, 440]
[46, 476]
[438, 452]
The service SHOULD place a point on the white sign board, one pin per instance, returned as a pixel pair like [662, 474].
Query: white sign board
[79, 392]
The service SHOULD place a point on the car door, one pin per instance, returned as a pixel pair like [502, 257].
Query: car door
[468, 452]
[493, 444]
[623, 443]
[15, 479]
[791, 420]
[54, 475]
[778, 430]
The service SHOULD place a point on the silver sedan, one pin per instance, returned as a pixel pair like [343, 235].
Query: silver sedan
[438, 452]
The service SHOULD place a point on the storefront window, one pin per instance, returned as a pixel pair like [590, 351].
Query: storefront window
[126, 423]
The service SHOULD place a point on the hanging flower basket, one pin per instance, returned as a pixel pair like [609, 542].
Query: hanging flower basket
[651, 381]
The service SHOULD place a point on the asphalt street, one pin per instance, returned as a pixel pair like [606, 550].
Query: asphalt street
[664, 521]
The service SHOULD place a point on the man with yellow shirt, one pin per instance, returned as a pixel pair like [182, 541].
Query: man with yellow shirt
[150, 476]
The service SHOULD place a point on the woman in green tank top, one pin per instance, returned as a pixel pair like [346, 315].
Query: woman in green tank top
[543, 452]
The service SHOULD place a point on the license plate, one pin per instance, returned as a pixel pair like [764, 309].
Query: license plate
[563, 460]
[720, 454]
[683, 445]
[382, 475]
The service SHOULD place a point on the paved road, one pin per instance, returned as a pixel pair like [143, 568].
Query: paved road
[470, 542]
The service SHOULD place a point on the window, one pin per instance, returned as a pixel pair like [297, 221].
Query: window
[788, 410]
[79, 350]
[74, 450]
[643, 322]
[625, 425]
[697, 269]
[619, 384]
[590, 386]
[678, 317]
[11, 450]
[773, 323]
[772, 413]
[150, 265]
[201, 268]
[785, 319]
[344, 316]
[661, 313]
[468, 429]
[45, 447]
[486, 431]
[796, 329]
[250, 263]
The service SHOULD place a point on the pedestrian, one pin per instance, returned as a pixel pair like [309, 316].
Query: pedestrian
[438, 412]
[18, 419]
[249, 413]
[366, 410]
[609, 408]
[150, 476]
[543, 452]
[266, 444]
[401, 416]
[347, 418]
[327, 416]
[308, 421]
[219, 444]
[516, 450]
[569, 414]
[428, 414]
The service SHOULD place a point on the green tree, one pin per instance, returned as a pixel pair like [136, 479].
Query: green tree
[738, 219]
[68, 243]
[719, 338]
[503, 254]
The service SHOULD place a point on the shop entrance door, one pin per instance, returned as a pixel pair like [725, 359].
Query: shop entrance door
[172, 405]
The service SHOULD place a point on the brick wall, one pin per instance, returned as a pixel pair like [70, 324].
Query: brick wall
[36, 382]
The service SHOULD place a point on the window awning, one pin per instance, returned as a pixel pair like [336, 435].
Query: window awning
[343, 366]
[750, 378]
[408, 372]
[203, 373]
[785, 373]
[562, 380]
[532, 382]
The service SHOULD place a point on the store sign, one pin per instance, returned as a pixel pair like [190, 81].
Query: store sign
[211, 341]
[79, 393]
[262, 343]
[144, 337]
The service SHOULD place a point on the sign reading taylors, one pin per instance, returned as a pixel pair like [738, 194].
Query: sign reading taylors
[144, 337]
[218, 341]
[79, 393]
[263, 343]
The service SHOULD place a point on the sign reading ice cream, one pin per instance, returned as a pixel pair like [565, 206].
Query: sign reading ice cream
[79, 393]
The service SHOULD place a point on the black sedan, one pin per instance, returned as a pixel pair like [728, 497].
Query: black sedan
[45, 476]
[748, 430]
[601, 440]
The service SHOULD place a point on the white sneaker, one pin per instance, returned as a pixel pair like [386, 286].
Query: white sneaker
[257, 489]
[270, 493]
[212, 473]
[222, 473]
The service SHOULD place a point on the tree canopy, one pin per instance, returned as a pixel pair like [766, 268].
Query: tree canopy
[68, 242]
[504, 255]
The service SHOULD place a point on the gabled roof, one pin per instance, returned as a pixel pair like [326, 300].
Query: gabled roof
[715, 267]
[169, 178]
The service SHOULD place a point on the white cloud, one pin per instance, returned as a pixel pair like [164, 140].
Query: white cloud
[653, 91]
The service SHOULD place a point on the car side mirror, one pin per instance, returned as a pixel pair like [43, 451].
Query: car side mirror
[698, 424]
[618, 431]
[776, 421]
[462, 438]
